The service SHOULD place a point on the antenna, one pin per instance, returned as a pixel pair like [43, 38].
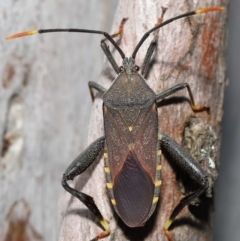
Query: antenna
[199, 11]
[75, 30]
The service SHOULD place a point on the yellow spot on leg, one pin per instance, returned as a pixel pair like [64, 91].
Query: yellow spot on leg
[155, 199]
[167, 224]
[166, 231]
[105, 155]
[113, 201]
[106, 227]
[159, 152]
[159, 167]
[106, 169]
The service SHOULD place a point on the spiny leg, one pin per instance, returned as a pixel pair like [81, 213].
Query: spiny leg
[106, 50]
[177, 88]
[79, 165]
[183, 159]
[151, 48]
[93, 85]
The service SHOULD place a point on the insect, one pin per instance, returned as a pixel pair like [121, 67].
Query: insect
[132, 144]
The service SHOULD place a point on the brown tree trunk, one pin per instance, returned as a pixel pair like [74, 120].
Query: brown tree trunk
[189, 50]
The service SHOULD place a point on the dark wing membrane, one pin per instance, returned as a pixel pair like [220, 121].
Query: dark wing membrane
[133, 190]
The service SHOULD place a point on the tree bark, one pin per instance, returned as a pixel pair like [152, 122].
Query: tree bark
[189, 50]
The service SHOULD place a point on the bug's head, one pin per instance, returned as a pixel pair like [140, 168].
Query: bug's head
[128, 65]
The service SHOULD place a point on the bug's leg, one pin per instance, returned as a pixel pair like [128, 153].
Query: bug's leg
[177, 88]
[151, 48]
[183, 160]
[106, 50]
[79, 165]
[93, 85]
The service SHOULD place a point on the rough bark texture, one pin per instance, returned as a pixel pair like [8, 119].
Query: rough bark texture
[189, 50]
[44, 108]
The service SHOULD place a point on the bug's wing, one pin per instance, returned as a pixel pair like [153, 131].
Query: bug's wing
[133, 190]
[132, 154]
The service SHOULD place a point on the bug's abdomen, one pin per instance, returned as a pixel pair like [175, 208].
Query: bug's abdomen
[134, 190]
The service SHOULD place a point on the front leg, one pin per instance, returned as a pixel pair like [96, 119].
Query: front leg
[183, 160]
[79, 165]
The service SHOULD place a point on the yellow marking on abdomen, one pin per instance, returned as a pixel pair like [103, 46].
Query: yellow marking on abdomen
[106, 169]
[159, 167]
[155, 199]
[105, 109]
[109, 185]
[158, 183]
[113, 201]
[154, 106]
[160, 136]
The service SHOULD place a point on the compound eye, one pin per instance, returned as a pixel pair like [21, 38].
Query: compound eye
[120, 69]
[136, 67]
